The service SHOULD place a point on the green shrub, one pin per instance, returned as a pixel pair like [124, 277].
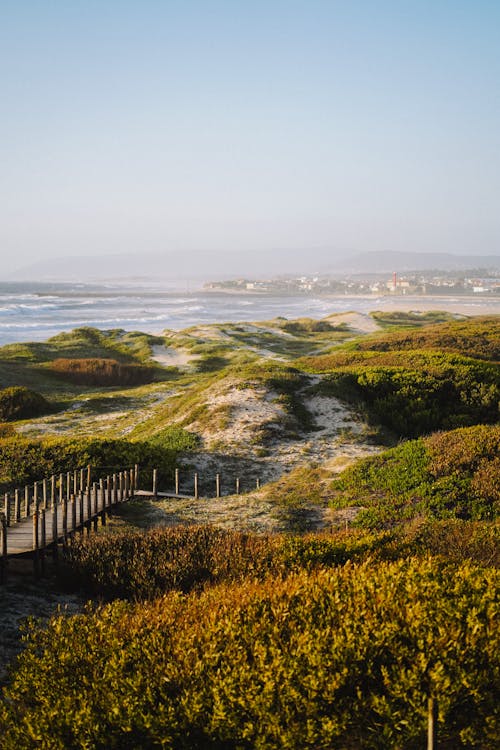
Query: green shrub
[450, 474]
[19, 402]
[23, 461]
[415, 393]
[331, 659]
[137, 565]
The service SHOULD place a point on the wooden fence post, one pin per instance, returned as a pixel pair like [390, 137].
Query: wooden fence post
[44, 493]
[82, 511]
[17, 506]
[432, 709]
[257, 484]
[7, 508]
[136, 477]
[89, 509]
[35, 495]
[54, 531]
[36, 544]
[43, 539]
[155, 482]
[95, 517]
[217, 485]
[73, 515]
[196, 486]
[177, 481]
[89, 476]
[52, 490]
[68, 486]
[65, 519]
[61, 488]
[3, 548]
[26, 502]
[75, 482]
[237, 485]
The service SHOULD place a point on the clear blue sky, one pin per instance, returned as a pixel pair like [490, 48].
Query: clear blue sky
[162, 125]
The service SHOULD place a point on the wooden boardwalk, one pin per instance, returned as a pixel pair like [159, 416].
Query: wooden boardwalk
[51, 511]
[39, 517]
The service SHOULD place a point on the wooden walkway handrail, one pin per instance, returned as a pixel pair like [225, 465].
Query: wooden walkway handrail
[50, 511]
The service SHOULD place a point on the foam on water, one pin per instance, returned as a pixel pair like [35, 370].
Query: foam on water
[34, 312]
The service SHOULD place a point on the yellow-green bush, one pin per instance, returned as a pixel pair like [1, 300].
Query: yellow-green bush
[342, 658]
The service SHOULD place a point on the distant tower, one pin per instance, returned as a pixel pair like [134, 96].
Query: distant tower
[394, 281]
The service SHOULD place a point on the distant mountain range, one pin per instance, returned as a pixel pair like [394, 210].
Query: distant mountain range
[386, 261]
[212, 265]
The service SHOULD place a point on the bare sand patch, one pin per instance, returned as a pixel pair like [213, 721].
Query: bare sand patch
[170, 357]
[355, 321]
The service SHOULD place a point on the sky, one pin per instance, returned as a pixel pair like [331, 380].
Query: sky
[166, 126]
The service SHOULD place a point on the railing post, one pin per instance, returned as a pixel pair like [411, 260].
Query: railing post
[17, 506]
[68, 486]
[177, 481]
[89, 477]
[54, 530]
[61, 488]
[44, 493]
[3, 548]
[52, 490]
[257, 484]
[75, 482]
[36, 544]
[237, 485]
[196, 486]
[217, 485]
[95, 517]
[43, 539]
[35, 495]
[81, 510]
[65, 519]
[89, 509]
[136, 477]
[7, 508]
[73, 514]
[155, 482]
[114, 491]
[26, 501]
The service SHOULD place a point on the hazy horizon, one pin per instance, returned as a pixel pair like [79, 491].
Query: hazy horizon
[221, 131]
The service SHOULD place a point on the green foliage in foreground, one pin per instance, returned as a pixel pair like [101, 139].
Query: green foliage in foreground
[449, 474]
[23, 461]
[22, 403]
[141, 566]
[342, 658]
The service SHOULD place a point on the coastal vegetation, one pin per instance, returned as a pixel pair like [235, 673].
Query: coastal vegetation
[18, 402]
[365, 584]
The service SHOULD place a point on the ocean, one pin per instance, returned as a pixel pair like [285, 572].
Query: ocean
[35, 311]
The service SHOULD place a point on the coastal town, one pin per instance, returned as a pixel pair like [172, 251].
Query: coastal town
[483, 284]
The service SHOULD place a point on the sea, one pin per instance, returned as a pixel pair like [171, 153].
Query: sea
[31, 311]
